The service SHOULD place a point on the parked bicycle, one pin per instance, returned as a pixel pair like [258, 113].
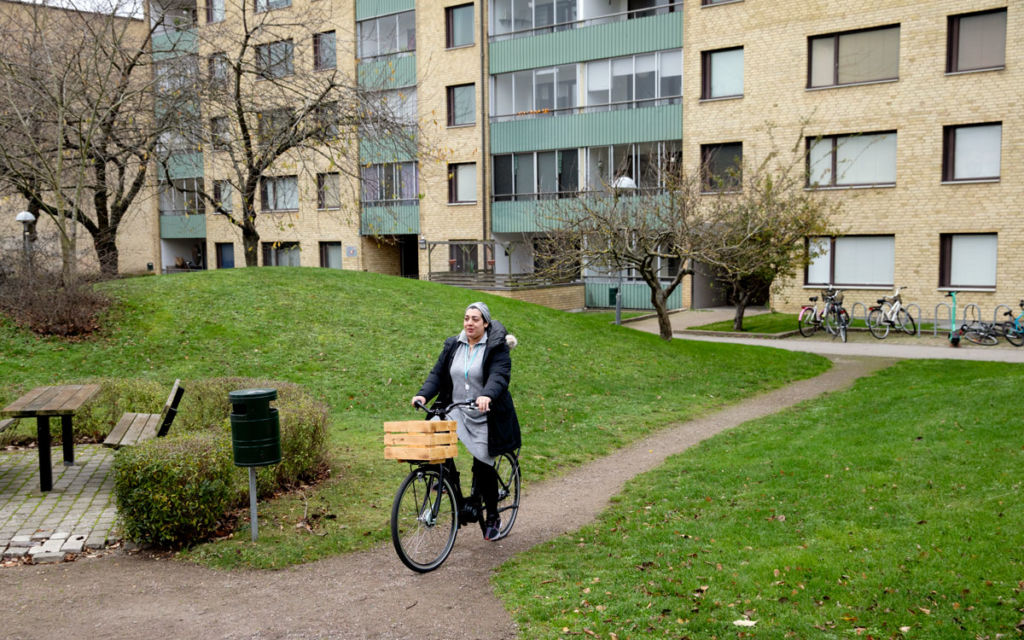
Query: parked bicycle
[1013, 329]
[832, 317]
[429, 507]
[890, 314]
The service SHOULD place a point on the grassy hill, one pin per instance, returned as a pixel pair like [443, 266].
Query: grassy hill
[364, 342]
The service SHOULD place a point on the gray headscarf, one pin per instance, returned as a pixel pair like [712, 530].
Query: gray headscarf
[482, 308]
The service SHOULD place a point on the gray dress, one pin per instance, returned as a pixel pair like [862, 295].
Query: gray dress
[467, 372]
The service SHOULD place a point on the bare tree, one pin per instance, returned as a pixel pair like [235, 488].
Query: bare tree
[272, 102]
[77, 124]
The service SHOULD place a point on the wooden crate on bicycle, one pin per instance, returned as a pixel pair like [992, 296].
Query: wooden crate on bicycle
[420, 440]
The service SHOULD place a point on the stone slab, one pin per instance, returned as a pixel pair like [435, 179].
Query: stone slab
[47, 557]
[22, 541]
[16, 552]
[74, 544]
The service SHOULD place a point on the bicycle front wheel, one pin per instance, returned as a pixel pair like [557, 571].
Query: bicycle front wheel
[980, 335]
[906, 322]
[424, 520]
[806, 323]
[509, 487]
[1014, 335]
[877, 324]
[830, 321]
[844, 322]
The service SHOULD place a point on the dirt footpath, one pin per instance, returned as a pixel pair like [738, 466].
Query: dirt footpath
[362, 595]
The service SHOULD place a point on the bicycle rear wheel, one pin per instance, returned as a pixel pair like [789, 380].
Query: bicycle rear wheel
[423, 523]
[806, 323]
[980, 335]
[1014, 335]
[509, 487]
[906, 322]
[877, 324]
[844, 322]
[830, 321]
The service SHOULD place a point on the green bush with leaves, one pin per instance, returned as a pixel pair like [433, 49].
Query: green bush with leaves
[173, 491]
[159, 482]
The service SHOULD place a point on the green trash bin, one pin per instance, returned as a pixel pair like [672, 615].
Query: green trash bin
[255, 428]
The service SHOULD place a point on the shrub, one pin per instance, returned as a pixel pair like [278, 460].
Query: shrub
[202, 425]
[39, 299]
[175, 490]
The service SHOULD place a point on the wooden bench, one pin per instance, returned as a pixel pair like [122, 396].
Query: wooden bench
[7, 423]
[134, 428]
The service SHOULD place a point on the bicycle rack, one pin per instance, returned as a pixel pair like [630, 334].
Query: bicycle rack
[853, 312]
[977, 312]
[949, 315]
[995, 312]
[917, 324]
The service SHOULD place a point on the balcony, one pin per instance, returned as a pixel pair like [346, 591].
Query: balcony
[181, 224]
[399, 217]
[388, 72]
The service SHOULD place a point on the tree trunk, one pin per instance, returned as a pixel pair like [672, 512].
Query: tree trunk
[251, 243]
[660, 302]
[106, 251]
[741, 307]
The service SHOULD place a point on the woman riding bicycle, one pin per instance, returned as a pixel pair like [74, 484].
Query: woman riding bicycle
[476, 366]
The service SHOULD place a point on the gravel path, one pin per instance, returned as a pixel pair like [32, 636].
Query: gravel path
[362, 595]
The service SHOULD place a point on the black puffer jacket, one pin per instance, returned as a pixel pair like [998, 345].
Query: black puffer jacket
[502, 423]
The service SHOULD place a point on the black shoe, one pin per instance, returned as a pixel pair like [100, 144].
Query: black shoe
[492, 528]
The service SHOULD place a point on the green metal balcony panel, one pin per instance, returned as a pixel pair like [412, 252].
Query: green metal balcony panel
[635, 295]
[531, 216]
[386, 151]
[182, 227]
[391, 72]
[622, 38]
[183, 165]
[387, 221]
[588, 129]
[171, 43]
[372, 8]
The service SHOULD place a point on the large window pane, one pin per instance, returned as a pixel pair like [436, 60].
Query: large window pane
[977, 152]
[823, 61]
[725, 73]
[980, 41]
[864, 260]
[547, 172]
[523, 91]
[522, 15]
[819, 271]
[387, 35]
[524, 174]
[973, 260]
[407, 30]
[622, 80]
[598, 83]
[819, 159]
[460, 26]
[598, 169]
[866, 159]
[646, 72]
[503, 182]
[501, 15]
[544, 88]
[367, 38]
[566, 93]
[408, 181]
[568, 171]
[869, 55]
[670, 72]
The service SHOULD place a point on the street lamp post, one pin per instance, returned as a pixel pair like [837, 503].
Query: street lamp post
[623, 185]
[26, 219]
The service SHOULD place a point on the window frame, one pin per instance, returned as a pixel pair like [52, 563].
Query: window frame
[325, 257]
[262, 6]
[272, 251]
[222, 205]
[730, 184]
[946, 262]
[219, 259]
[381, 178]
[268, 182]
[376, 20]
[449, 26]
[318, 61]
[833, 154]
[836, 55]
[323, 190]
[451, 92]
[953, 41]
[211, 11]
[706, 69]
[453, 182]
[266, 66]
[949, 153]
[833, 241]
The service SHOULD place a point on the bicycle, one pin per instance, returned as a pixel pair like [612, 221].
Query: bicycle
[429, 507]
[890, 313]
[1013, 329]
[833, 318]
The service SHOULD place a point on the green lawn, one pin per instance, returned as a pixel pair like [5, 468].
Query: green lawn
[893, 510]
[761, 323]
[364, 343]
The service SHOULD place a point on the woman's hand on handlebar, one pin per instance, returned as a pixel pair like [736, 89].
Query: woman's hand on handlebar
[483, 404]
[419, 402]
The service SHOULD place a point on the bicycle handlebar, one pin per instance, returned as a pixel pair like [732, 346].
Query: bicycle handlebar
[442, 412]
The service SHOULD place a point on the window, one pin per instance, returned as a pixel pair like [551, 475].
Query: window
[324, 56]
[722, 166]
[722, 73]
[536, 175]
[399, 105]
[461, 103]
[851, 261]
[635, 81]
[267, 5]
[181, 197]
[176, 74]
[328, 191]
[462, 182]
[274, 60]
[219, 70]
[214, 10]
[325, 120]
[870, 55]
[220, 133]
[222, 196]
[976, 41]
[458, 26]
[384, 35]
[389, 184]
[971, 152]
[648, 8]
[280, 193]
[967, 260]
[535, 91]
[225, 252]
[281, 254]
[273, 124]
[509, 16]
[852, 160]
[708, 3]
[330, 255]
[646, 165]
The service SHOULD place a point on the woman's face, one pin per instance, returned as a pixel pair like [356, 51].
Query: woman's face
[474, 324]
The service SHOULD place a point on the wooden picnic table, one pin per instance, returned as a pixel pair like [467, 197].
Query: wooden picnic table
[42, 403]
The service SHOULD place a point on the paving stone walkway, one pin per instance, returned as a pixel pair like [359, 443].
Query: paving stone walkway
[78, 513]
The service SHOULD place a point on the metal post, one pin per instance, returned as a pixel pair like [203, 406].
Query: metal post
[254, 526]
[618, 302]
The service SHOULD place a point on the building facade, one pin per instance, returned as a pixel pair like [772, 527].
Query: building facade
[907, 112]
